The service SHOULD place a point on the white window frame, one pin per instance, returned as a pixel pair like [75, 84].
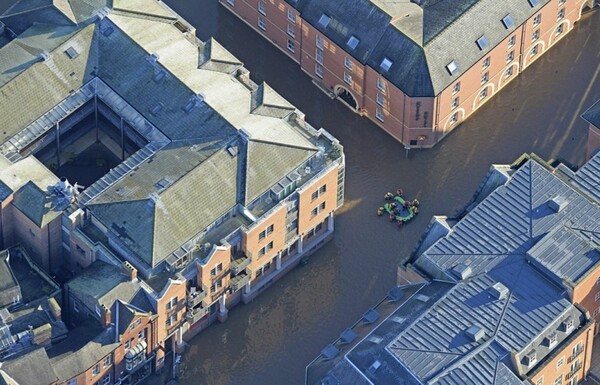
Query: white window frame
[347, 63]
[509, 72]
[537, 20]
[561, 14]
[512, 41]
[381, 87]
[559, 29]
[291, 30]
[483, 93]
[455, 103]
[486, 62]
[456, 88]
[454, 118]
[231, 2]
[262, 7]
[291, 16]
[536, 35]
[511, 56]
[485, 77]
[348, 78]
[534, 50]
[319, 42]
[379, 114]
[262, 24]
[380, 99]
[319, 56]
[107, 361]
[560, 362]
[96, 370]
[106, 379]
[291, 46]
[319, 70]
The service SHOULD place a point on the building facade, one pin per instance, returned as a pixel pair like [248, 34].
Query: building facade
[416, 68]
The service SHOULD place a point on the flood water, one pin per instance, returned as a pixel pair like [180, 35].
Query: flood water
[272, 339]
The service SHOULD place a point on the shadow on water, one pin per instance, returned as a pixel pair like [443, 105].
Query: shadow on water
[271, 340]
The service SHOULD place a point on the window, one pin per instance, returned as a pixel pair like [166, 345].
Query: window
[352, 43]
[509, 72]
[72, 382]
[324, 20]
[536, 35]
[455, 103]
[508, 21]
[381, 87]
[291, 16]
[512, 41]
[319, 42]
[261, 23]
[172, 320]
[142, 334]
[347, 78]
[262, 7]
[452, 67]
[76, 306]
[533, 3]
[482, 42]
[106, 379]
[380, 99]
[322, 189]
[172, 302]
[561, 2]
[485, 77]
[348, 63]
[560, 362]
[127, 344]
[319, 70]
[379, 114]
[597, 296]
[537, 19]
[558, 380]
[386, 64]
[138, 322]
[486, 62]
[596, 312]
[534, 50]
[540, 381]
[314, 195]
[456, 88]
[291, 46]
[510, 57]
[107, 361]
[291, 30]
[314, 212]
[559, 29]
[454, 118]
[231, 2]
[483, 94]
[131, 326]
[213, 271]
[96, 370]
[319, 56]
[269, 230]
[561, 14]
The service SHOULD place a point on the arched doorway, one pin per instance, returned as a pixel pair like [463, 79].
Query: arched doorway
[346, 97]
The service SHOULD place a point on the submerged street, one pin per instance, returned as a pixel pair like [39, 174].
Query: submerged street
[271, 340]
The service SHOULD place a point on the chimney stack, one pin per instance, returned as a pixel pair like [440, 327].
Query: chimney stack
[129, 271]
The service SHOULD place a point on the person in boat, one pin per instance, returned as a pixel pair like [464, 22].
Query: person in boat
[415, 210]
[406, 203]
[415, 202]
[388, 196]
[399, 222]
[392, 217]
[393, 205]
[399, 192]
[380, 211]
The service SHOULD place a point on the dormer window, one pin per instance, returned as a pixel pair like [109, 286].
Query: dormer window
[508, 21]
[568, 325]
[551, 340]
[483, 42]
[353, 42]
[452, 67]
[386, 64]
[324, 20]
[530, 359]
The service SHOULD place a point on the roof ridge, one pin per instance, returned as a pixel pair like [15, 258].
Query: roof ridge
[293, 146]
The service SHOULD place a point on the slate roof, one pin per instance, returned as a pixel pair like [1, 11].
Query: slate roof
[226, 141]
[31, 368]
[420, 40]
[7, 278]
[84, 347]
[592, 114]
[587, 178]
[104, 283]
[37, 205]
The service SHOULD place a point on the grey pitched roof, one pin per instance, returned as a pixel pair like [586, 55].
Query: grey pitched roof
[5, 191]
[106, 284]
[7, 279]
[37, 205]
[592, 114]
[84, 347]
[420, 40]
[31, 368]
[587, 178]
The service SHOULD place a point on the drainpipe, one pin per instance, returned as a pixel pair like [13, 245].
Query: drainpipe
[587, 341]
[57, 144]
[117, 324]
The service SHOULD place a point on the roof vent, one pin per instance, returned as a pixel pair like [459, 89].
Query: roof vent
[508, 21]
[452, 67]
[462, 271]
[483, 42]
[557, 204]
[533, 3]
[45, 56]
[530, 359]
[233, 151]
[157, 109]
[71, 53]
[371, 316]
[475, 333]
[374, 366]
[159, 75]
[551, 340]
[386, 64]
[324, 20]
[499, 291]
[353, 42]
[162, 184]
[154, 58]
[329, 352]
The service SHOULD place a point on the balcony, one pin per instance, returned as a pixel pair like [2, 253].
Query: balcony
[239, 281]
[238, 265]
[196, 314]
[195, 296]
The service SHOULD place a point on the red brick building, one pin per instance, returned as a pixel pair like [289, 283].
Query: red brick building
[416, 68]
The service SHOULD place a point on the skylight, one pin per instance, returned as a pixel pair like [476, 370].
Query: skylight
[533, 3]
[353, 42]
[508, 21]
[483, 42]
[324, 20]
[452, 67]
[386, 64]
[71, 53]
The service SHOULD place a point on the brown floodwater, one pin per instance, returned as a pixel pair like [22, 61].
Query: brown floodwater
[272, 339]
